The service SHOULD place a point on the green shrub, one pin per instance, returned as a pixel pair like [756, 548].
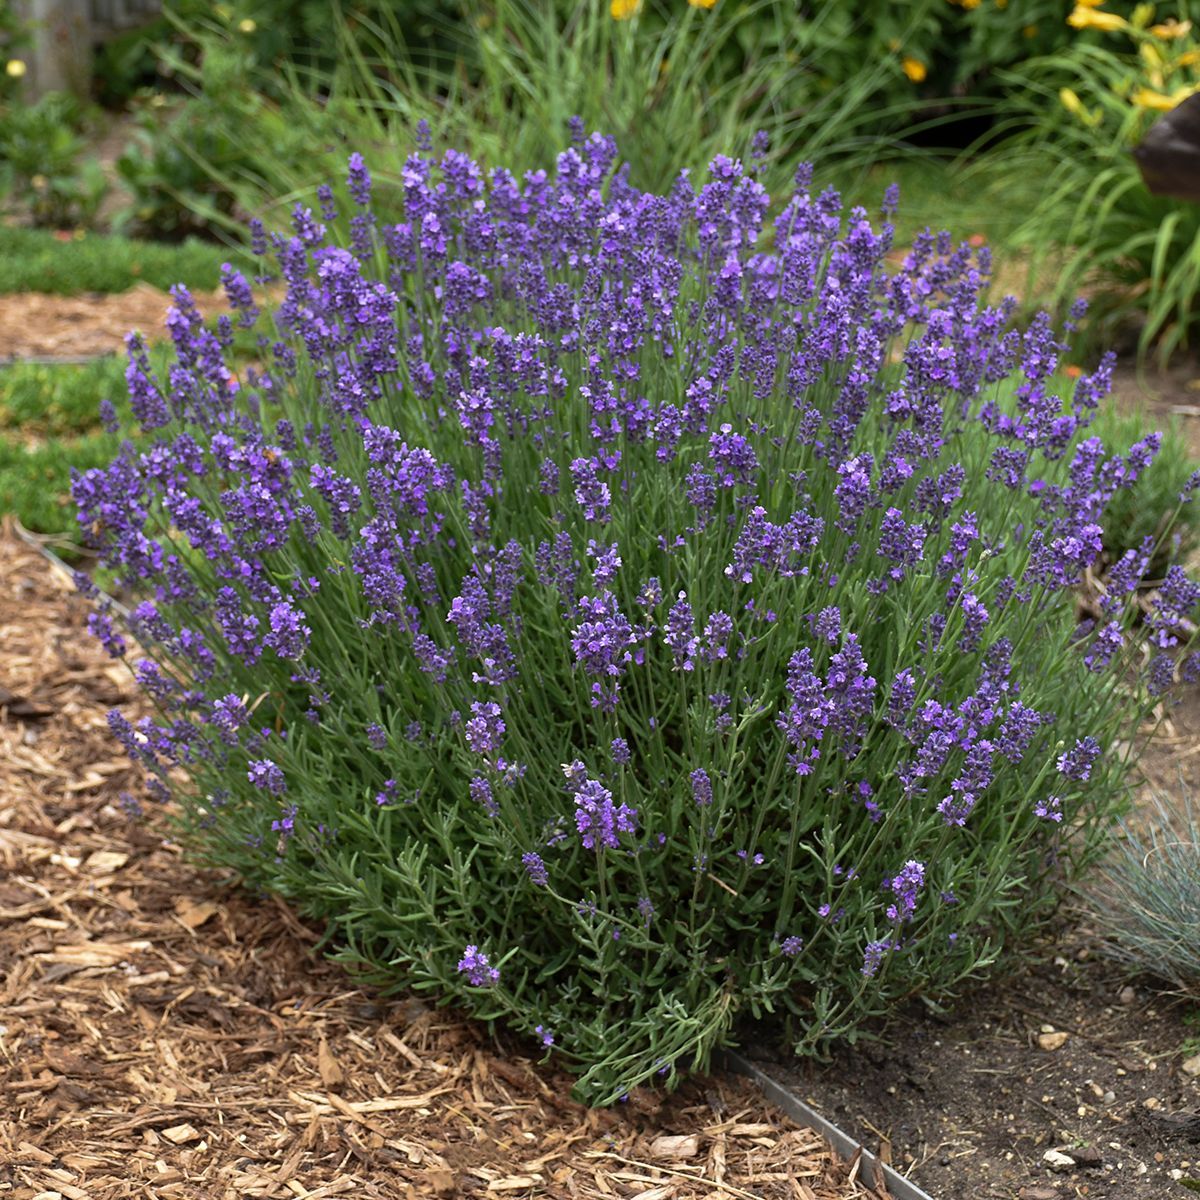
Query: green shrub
[615, 624]
[677, 84]
[1152, 509]
[41, 161]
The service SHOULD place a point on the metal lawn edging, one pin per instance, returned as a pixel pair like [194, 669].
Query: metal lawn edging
[872, 1170]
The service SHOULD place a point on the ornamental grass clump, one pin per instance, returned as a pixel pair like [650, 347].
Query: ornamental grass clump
[1147, 893]
[617, 613]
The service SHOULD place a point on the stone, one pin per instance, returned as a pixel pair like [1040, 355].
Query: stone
[1054, 1040]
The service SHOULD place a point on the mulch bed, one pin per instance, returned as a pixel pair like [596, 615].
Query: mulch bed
[165, 1035]
[33, 325]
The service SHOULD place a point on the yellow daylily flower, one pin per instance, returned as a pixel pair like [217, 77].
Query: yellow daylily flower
[1090, 3]
[622, 10]
[1171, 29]
[1090, 18]
[1141, 16]
[702, 3]
[1145, 98]
[1071, 102]
[14, 68]
[915, 69]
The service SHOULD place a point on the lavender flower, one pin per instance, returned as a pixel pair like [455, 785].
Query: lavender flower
[598, 819]
[535, 868]
[1077, 762]
[1049, 809]
[475, 966]
[906, 886]
[266, 775]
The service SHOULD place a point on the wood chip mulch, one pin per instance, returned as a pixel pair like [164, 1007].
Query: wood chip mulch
[162, 1035]
[33, 325]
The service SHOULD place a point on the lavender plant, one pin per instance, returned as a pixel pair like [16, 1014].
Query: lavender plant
[619, 612]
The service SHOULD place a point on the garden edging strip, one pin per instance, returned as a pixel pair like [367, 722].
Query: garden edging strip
[872, 1171]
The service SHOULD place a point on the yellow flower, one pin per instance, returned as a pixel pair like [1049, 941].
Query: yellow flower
[1141, 16]
[1145, 98]
[1089, 18]
[1076, 107]
[915, 69]
[1090, 3]
[1171, 29]
[1001, 3]
[969, 4]
[1030, 31]
[247, 25]
[1071, 102]
[622, 10]
[14, 68]
[702, 3]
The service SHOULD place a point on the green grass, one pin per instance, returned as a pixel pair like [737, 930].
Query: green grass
[35, 481]
[34, 260]
[49, 423]
[966, 197]
[38, 401]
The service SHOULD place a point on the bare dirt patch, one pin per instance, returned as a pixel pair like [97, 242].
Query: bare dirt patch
[1068, 1057]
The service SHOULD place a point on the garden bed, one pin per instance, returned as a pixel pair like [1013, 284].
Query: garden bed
[1068, 1057]
[166, 1035]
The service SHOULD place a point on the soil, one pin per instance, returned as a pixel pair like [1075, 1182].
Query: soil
[164, 1035]
[1067, 1056]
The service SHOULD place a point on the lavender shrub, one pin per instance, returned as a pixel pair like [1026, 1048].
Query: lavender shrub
[618, 612]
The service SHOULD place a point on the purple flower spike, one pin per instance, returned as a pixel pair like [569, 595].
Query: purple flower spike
[598, 820]
[266, 775]
[475, 966]
[1077, 762]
